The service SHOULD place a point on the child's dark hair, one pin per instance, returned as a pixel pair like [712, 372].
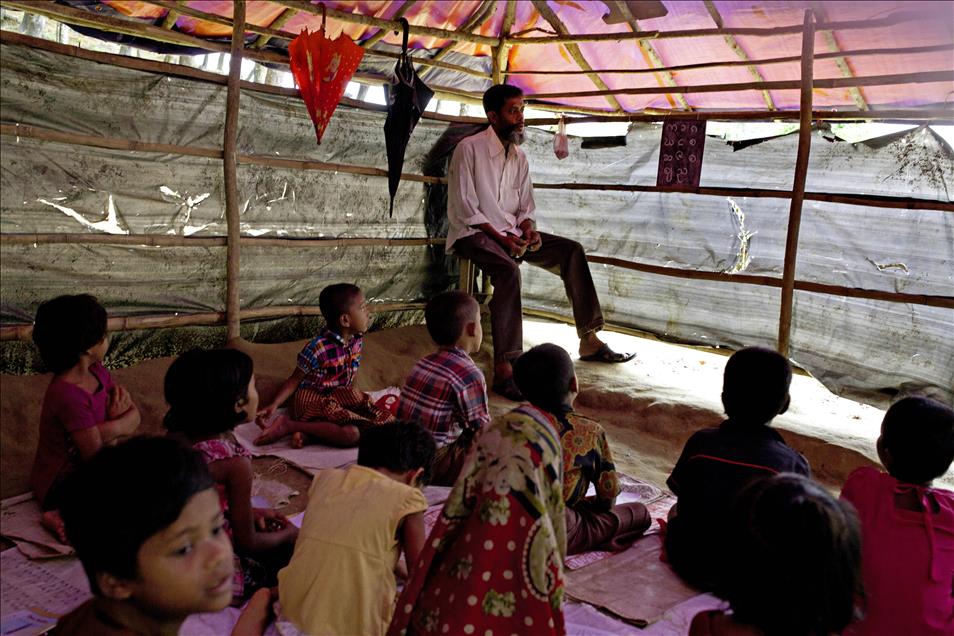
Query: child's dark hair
[447, 314]
[918, 434]
[497, 95]
[543, 374]
[335, 300]
[398, 447]
[125, 494]
[755, 385]
[794, 558]
[66, 327]
[202, 388]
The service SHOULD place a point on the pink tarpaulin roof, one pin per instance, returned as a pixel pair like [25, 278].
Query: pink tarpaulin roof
[903, 25]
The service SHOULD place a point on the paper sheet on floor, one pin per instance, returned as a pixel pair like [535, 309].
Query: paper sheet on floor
[311, 458]
[20, 522]
[633, 585]
[656, 500]
[33, 594]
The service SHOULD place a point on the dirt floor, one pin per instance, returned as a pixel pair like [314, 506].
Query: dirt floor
[649, 406]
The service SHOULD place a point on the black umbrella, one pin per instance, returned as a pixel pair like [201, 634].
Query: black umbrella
[407, 97]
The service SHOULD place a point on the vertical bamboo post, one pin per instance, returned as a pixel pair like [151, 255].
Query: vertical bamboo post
[231, 181]
[798, 187]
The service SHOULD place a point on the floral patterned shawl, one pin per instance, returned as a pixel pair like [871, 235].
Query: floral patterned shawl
[494, 561]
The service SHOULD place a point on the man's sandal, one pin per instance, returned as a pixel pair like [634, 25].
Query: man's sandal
[605, 354]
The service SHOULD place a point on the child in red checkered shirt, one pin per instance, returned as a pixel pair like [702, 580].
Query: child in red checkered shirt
[326, 407]
[445, 390]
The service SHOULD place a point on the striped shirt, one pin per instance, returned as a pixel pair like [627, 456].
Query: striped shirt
[329, 362]
[445, 392]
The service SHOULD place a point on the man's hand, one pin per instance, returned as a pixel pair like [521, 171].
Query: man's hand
[515, 246]
[532, 237]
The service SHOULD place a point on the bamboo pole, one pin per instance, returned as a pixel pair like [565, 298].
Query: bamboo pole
[164, 240]
[798, 189]
[188, 72]
[827, 82]
[843, 67]
[393, 25]
[938, 115]
[891, 20]
[910, 50]
[543, 7]
[501, 54]
[380, 35]
[486, 10]
[230, 143]
[211, 318]
[740, 52]
[946, 302]
[878, 201]
[276, 24]
[663, 78]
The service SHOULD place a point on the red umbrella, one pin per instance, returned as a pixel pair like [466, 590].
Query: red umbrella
[322, 68]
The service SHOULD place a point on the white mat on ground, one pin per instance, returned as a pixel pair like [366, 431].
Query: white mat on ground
[311, 458]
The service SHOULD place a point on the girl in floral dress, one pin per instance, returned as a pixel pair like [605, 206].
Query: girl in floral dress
[209, 393]
[494, 561]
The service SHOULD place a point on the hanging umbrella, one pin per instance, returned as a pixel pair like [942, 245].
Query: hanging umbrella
[407, 97]
[322, 68]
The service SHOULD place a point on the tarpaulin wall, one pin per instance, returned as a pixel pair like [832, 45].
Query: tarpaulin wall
[853, 345]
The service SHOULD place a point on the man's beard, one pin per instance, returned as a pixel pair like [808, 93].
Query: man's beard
[517, 135]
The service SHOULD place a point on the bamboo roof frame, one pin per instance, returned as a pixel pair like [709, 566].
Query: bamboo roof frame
[237, 48]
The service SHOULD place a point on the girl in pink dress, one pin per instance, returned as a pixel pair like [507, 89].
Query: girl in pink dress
[83, 408]
[907, 526]
[209, 393]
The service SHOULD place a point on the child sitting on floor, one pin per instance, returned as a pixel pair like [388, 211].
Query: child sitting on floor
[341, 577]
[546, 378]
[445, 391]
[83, 408]
[209, 393]
[326, 406]
[796, 563]
[145, 520]
[716, 463]
[907, 527]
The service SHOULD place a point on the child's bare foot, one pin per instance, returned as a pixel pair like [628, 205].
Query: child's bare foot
[53, 522]
[278, 429]
[298, 440]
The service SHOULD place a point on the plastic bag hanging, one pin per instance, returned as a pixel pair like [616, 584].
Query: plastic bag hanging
[561, 146]
[407, 97]
[322, 68]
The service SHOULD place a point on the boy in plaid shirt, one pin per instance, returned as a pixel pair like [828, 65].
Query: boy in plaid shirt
[445, 390]
[327, 409]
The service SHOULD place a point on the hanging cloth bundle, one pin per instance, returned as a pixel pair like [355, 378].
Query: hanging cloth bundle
[407, 97]
[322, 68]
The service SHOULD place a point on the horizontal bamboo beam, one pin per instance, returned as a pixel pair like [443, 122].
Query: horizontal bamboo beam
[911, 50]
[188, 72]
[897, 18]
[270, 32]
[165, 240]
[942, 115]
[926, 115]
[45, 134]
[946, 302]
[211, 318]
[79, 17]
[357, 18]
[830, 82]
